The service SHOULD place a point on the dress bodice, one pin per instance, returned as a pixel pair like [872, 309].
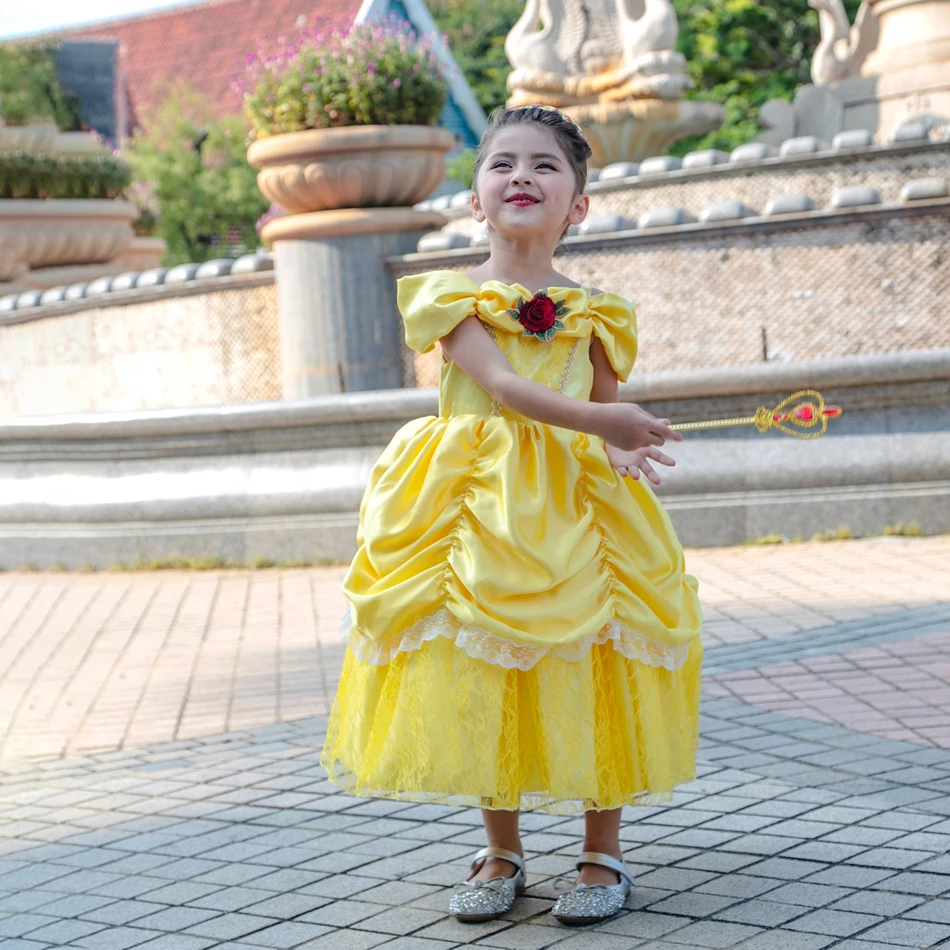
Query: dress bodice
[557, 354]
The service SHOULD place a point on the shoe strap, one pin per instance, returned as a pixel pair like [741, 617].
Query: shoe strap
[502, 853]
[606, 861]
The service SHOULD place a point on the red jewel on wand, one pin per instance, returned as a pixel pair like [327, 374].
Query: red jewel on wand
[806, 420]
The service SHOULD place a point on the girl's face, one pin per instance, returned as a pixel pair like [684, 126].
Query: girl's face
[526, 185]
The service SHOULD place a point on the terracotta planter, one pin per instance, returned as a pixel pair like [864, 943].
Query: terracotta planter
[59, 232]
[355, 167]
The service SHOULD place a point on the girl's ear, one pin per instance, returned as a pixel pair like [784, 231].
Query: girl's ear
[477, 212]
[579, 210]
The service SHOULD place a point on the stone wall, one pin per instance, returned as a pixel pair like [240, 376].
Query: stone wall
[283, 480]
[181, 346]
[824, 284]
[819, 174]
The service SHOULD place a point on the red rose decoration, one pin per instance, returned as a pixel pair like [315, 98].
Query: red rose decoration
[539, 316]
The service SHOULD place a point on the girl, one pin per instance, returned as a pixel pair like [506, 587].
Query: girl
[521, 632]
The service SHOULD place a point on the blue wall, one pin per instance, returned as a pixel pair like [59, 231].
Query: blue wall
[452, 118]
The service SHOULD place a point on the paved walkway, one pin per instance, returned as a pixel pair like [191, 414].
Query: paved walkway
[160, 734]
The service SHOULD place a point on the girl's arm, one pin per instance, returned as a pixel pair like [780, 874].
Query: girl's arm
[622, 424]
[605, 390]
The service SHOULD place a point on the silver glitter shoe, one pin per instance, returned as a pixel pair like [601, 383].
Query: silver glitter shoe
[590, 904]
[474, 901]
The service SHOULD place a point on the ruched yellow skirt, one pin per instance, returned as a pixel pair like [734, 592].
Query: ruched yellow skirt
[522, 632]
[436, 725]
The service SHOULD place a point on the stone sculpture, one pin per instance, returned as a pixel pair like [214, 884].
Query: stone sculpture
[843, 48]
[611, 65]
[888, 72]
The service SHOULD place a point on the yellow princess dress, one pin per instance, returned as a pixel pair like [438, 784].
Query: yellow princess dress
[521, 632]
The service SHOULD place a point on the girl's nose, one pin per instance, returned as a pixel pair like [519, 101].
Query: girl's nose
[521, 178]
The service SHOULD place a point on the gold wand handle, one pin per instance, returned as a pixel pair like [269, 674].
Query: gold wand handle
[797, 421]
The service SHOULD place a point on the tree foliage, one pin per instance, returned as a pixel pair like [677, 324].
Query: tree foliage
[741, 53]
[30, 91]
[476, 34]
[207, 193]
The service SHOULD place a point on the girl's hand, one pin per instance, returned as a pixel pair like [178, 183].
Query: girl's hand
[632, 463]
[627, 426]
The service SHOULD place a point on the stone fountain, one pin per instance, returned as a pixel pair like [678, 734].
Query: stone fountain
[612, 66]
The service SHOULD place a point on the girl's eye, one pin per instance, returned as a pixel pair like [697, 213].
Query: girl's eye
[501, 164]
[546, 165]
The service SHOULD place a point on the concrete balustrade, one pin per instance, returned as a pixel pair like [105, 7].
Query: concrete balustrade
[284, 480]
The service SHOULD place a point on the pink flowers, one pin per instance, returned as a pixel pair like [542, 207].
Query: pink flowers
[374, 74]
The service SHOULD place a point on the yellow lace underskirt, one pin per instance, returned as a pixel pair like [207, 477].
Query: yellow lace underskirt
[435, 724]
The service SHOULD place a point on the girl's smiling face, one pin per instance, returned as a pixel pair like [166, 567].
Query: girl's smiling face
[526, 185]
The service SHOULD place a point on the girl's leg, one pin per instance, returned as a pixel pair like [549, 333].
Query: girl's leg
[601, 834]
[501, 828]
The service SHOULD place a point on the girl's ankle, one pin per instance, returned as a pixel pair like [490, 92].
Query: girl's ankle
[611, 848]
[514, 846]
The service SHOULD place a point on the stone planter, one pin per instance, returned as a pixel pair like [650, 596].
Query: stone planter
[34, 137]
[354, 167]
[11, 267]
[55, 233]
[143, 253]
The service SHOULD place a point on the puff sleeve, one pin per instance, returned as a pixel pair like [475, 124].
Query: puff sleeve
[434, 304]
[615, 325]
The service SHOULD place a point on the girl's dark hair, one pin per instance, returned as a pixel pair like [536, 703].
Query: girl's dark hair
[568, 136]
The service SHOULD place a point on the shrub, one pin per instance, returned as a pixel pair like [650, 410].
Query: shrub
[47, 176]
[29, 89]
[143, 195]
[191, 170]
[377, 74]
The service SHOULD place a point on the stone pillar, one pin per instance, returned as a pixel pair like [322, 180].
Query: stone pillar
[911, 34]
[339, 327]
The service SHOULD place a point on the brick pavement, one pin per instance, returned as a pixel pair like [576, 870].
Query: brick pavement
[94, 662]
[797, 834]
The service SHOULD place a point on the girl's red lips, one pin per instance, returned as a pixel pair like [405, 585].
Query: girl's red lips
[522, 197]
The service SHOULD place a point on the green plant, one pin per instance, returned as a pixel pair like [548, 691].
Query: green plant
[142, 195]
[908, 529]
[841, 533]
[29, 89]
[766, 539]
[191, 169]
[475, 31]
[741, 53]
[461, 167]
[61, 176]
[376, 74]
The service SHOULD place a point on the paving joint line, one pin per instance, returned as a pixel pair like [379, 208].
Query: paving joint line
[822, 641]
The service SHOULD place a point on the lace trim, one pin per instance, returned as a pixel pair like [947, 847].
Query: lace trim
[566, 375]
[495, 405]
[481, 645]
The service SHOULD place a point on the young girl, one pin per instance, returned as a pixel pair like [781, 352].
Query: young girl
[521, 631]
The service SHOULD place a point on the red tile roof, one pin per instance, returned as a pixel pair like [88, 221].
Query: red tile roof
[204, 44]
